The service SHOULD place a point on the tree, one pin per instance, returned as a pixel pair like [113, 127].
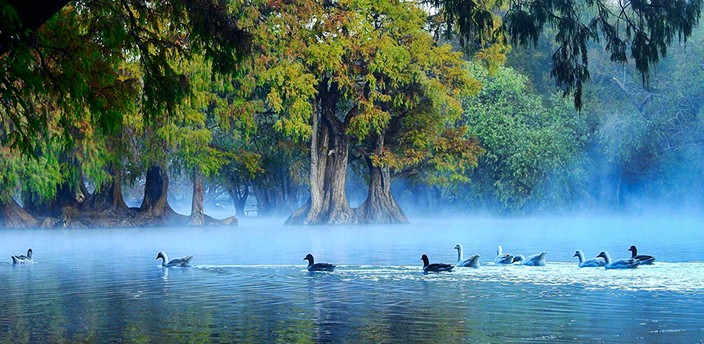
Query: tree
[642, 140]
[72, 82]
[644, 27]
[531, 144]
[356, 67]
[151, 33]
[412, 105]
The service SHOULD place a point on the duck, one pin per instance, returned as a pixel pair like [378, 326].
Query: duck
[472, 262]
[436, 267]
[644, 259]
[313, 266]
[532, 260]
[589, 263]
[619, 264]
[501, 257]
[22, 259]
[182, 262]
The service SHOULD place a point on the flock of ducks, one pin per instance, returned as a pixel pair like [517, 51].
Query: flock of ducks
[539, 260]
[603, 259]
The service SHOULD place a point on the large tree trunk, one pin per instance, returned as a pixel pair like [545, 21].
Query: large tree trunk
[13, 216]
[65, 198]
[328, 172]
[155, 202]
[197, 218]
[380, 205]
[109, 196]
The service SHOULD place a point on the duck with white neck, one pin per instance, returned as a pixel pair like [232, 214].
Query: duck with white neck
[471, 262]
[588, 263]
[178, 262]
[619, 264]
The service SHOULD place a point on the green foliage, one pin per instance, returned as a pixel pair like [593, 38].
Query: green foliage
[528, 143]
[75, 57]
[642, 28]
[38, 176]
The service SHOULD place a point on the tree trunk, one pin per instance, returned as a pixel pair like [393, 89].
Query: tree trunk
[197, 218]
[109, 196]
[328, 172]
[155, 202]
[380, 205]
[13, 216]
[268, 200]
[65, 198]
[272, 192]
[239, 192]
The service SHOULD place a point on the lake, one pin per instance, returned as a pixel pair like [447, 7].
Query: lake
[249, 283]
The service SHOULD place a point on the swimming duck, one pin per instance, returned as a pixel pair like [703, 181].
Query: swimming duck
[589, 263]
[22, 259]
[532, 260]
[644, 259]
[501, 257]
[436, 267]
[313, 266]
[182, 262]
[619, 264]
[472, 262]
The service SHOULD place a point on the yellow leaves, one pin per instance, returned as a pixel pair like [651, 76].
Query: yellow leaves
[370, 120]
[493, 56]
[391, 60]
[275, 101]
[251, 162]
[326, 56]
[291, 92]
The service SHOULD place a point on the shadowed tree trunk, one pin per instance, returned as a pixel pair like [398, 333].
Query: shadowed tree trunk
[380, 205]
[270, 201]
[328, 168]
[197, 218]
[155, 202]
[277, 194]
[109, 196]
[13, 216]
[239, 192]
[65, 198]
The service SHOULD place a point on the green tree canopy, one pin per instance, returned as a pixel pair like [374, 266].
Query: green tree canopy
[637, 30]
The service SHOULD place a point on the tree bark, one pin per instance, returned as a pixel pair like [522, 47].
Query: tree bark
[197, 217]
[13, 216]
[328, 200]
[109, 196]
[65, 198]
[380, 205]
[156, 188]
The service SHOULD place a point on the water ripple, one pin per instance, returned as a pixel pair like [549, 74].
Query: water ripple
[675, 277]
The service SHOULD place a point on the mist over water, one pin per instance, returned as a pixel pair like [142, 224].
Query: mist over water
[250, 284]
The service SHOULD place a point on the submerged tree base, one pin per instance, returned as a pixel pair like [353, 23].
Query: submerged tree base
[336, 216]
[13, 216]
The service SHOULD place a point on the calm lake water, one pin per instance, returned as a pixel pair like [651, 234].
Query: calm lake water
[249, 284]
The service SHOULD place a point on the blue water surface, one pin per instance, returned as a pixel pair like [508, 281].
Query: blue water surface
[249, 283]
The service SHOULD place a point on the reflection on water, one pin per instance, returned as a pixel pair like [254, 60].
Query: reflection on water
[250, 284]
